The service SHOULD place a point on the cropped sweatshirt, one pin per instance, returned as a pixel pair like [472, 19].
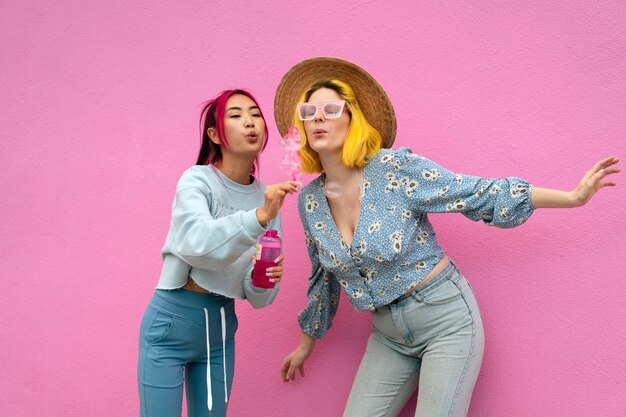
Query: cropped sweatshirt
[212, 235]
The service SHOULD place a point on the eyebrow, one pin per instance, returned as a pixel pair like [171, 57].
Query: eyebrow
[239, 108]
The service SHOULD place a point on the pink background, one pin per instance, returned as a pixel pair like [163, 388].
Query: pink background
[99, 112]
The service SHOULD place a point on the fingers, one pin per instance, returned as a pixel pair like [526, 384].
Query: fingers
[598, 176]
[288, 368]
[291, 372]
[292, 186]
[275, 197]
[286, 187]
[284, 369]
[287, 371]
[603, 164]
[274, 273]
[609, 161]
[601, 167]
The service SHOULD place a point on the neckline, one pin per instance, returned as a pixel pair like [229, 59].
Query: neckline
[330, 214]
[228, 183]
[361, 185]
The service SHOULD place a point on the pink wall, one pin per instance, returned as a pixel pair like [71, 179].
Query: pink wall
[99, 118]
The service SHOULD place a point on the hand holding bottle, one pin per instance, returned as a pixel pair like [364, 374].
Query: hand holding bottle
[266, 264]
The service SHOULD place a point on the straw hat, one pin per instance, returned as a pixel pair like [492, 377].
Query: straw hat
[372, 98]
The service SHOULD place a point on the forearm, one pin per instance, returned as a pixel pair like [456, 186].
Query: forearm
[262, 217]
[550, 198]
[307, 343]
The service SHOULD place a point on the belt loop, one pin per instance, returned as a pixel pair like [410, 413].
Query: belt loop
[418, 297]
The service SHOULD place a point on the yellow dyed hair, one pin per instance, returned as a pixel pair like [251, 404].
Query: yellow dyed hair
[362, 139]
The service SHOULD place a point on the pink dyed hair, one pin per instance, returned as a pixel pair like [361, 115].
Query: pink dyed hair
[212, 115]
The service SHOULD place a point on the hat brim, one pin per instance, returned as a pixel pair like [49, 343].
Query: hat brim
[373, 100]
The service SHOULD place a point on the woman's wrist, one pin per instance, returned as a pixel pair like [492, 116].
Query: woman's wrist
[307, 343]
[262, 218]
[576, 199]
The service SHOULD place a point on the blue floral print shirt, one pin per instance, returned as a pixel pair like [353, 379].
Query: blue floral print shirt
[394, 245]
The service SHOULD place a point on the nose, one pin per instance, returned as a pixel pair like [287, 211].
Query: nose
[248, 120]
[319, 115]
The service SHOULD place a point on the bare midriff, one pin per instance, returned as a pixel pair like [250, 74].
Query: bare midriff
[192, 286]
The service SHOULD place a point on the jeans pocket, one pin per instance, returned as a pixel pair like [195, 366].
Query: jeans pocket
[473, 295]
[159, 327]
[444, 293]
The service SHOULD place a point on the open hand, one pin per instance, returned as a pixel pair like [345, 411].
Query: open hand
[593, 180]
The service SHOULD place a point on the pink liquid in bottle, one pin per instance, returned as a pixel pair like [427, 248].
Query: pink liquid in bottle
[267, 250]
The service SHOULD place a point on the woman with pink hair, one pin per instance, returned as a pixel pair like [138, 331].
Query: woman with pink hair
[219, 211]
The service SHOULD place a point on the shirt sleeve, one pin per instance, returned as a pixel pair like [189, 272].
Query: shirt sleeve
[432, 188]
[322, 293]
[202, 240]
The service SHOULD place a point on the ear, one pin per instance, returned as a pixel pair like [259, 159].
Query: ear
[212, 132]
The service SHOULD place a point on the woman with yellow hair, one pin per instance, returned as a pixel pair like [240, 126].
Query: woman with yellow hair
[367, 232]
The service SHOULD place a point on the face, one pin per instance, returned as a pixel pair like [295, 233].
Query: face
[326, 135]
[244, 126]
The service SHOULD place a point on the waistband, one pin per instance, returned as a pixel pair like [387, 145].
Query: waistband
[449, 272]
[190, 304]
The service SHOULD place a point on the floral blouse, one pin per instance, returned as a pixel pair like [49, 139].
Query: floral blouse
[394, 245]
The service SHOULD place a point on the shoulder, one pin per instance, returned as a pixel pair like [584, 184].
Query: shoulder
[310, 194]
[393, 160]
[197, 176]
[312, 188]
[393, 156]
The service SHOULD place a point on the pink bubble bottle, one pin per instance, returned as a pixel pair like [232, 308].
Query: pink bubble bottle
[267, 250]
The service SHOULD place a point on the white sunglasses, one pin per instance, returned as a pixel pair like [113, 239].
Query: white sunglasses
[330, 109]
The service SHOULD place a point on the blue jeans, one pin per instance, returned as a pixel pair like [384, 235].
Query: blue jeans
[432, 337]
[178, 328]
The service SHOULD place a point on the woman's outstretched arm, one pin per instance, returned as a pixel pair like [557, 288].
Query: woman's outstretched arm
[591, 182]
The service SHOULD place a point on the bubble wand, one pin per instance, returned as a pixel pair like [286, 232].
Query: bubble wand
[291, 159]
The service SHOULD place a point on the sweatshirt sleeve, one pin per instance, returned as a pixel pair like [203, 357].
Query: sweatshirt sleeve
[203, 241]
[432, 188]
[323, 290]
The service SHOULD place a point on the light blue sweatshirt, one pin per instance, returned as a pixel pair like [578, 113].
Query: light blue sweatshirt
[213, 234]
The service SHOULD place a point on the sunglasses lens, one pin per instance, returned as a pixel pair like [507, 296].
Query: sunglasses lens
[333, 110]
[306, 111]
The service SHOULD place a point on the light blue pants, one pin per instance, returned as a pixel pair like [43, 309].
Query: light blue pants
[173, 346]
[431, 339]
